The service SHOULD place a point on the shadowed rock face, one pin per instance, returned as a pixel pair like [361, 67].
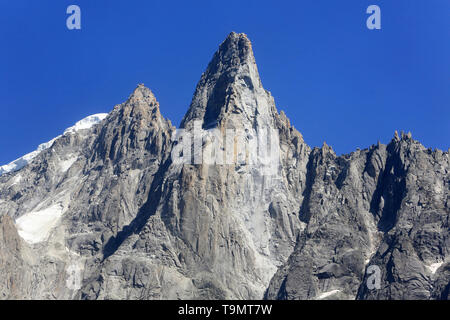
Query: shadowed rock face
[127, 222]
[386, 206]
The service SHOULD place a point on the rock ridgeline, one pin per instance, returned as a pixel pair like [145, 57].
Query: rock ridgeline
[105, 212]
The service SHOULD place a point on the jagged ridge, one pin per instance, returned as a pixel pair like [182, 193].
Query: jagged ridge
[132, 224]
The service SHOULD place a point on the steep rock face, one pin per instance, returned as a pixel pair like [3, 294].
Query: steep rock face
[75, 197]
[234, 204]
[414, 253]
[16, 280]
[386, 207]
[119, 168]
[219, 230]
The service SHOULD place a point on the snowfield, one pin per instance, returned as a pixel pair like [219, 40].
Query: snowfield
[35, 227]
[327, 294]
[433, 267]
[66, 164]
[86, 123]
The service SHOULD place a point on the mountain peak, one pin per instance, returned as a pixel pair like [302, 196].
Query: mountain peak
[142, 94]
[230, 92]
[234, 52]
[235, 49]
[235, 35]
[248, 213]
[140, 104]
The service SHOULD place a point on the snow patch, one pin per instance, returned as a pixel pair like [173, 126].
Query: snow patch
[371, 253]
[86, 123]
[324, 295]
[434, 266]
[35, 227]
[16, 180]
[66, 164]
[21, 162]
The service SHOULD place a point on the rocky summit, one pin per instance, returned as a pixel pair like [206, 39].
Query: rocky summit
[106, 210]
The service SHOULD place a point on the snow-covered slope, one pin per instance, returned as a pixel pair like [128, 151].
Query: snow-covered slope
[86, 123]
[24, 160]
[21, 162]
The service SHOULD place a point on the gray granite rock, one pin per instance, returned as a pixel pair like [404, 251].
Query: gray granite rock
[107, 213]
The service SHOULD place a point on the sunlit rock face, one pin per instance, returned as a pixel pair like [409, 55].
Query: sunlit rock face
[107, 210]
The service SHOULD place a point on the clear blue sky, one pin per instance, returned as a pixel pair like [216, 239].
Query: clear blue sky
[336, 80]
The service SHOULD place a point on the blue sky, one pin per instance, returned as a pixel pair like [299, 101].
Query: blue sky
[336, 80]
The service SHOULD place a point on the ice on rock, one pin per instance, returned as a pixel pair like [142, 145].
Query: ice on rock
[86, 123]
[434, 266]
[21, 162]
[327, 294]
[35, 227]
[66, 164]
